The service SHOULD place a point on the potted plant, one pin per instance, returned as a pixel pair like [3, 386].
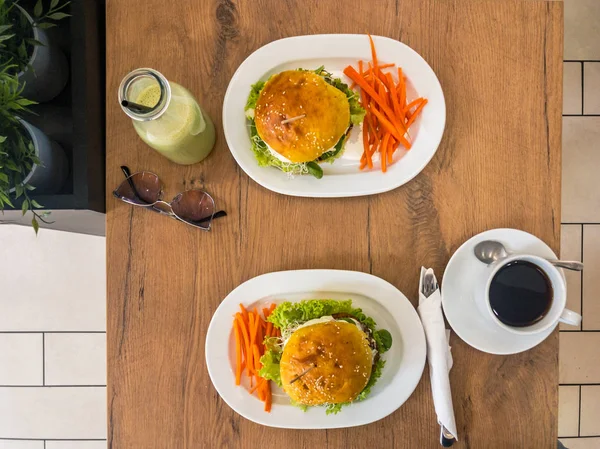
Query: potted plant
[28, 159]
[41, 67]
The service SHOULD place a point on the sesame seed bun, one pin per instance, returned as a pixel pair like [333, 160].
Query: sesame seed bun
[296, 93]
[326, 363]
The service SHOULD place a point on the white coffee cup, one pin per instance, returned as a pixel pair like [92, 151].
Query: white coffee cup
[556, 313]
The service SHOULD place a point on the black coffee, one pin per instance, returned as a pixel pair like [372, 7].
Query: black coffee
[520, 294]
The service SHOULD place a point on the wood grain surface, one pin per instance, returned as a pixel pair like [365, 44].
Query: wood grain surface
[500, 66]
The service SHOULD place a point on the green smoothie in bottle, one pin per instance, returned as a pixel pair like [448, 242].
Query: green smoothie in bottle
[167, 117]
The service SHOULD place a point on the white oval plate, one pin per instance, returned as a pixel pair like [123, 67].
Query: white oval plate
[378, 299]
[467, 317]
[336, 51]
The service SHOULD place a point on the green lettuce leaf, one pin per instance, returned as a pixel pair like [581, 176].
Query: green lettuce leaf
[270, 361]
[253, 97]
[290, 314]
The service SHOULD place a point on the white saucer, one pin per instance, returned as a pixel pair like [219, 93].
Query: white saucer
[468, 319]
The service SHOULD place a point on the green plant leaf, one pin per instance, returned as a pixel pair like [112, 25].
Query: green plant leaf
[38, 9]
[6, 37]
[35, 224]
[19, 190]
[45, 25]
[37, 205]
[6, 199]
[58, 16]
[3, 28]
[29, 187]
[2, 139]
[3, 177]
[25, 206]
[32, 41]
[25, 102]
[53, 4]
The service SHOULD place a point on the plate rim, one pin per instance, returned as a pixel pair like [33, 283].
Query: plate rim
[535, 339]
[392, 183]
[417, 351]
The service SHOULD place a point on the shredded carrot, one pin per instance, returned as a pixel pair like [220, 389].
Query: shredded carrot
[269, 399]
[373, 52]
[388, 116]
[256, 353]
[244, 330]
[238, 353]
[383, 151]
[415, 114]
[351, 73]
[250, 330]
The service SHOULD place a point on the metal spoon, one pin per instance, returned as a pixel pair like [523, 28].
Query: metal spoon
[490, 251]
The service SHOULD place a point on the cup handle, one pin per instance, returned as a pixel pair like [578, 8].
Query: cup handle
[569, 317]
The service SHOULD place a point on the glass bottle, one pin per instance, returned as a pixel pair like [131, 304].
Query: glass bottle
[167, 116]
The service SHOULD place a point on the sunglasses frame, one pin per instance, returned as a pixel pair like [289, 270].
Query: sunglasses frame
[168, 213]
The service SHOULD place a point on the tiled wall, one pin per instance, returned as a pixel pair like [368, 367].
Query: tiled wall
[579, 391]
[52, 340]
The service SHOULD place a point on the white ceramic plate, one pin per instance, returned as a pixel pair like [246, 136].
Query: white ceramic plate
[468, 318]
[378, 299]
[335, 52]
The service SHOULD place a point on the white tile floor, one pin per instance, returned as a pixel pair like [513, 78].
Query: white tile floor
[579, 392]
[52, 340]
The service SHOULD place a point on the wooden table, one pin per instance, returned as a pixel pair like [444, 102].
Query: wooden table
[500, 65]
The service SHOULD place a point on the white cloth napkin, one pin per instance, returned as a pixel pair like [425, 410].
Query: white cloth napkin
[438, 354]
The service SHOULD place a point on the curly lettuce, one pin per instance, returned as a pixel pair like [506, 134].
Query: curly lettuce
[265, 158]
[289, 315]
[270, 361]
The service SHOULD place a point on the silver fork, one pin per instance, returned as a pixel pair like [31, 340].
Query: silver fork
[430, 286]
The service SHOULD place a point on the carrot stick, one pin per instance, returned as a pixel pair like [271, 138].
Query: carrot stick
[238, 353]
[256, 354]
[261, 380]
[401, 89]
[244, 312]
[255, 329]
[415, 114]
[351, 73]
[269, 398]
[390, 151]
[240, 320]
[265, 312]
[413, 104]
[394, 95]
[383, 150]
[373, 52]
[360, 67]
[261, 392]
[269, 329]
[388, 126]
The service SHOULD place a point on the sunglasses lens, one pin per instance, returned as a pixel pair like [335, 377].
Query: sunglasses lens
[195, 207]
[141, 188]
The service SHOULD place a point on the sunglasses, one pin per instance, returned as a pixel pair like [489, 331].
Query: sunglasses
[194, 207]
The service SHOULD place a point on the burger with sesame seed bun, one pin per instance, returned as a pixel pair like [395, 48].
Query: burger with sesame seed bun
[329, 353]
[300, 118]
